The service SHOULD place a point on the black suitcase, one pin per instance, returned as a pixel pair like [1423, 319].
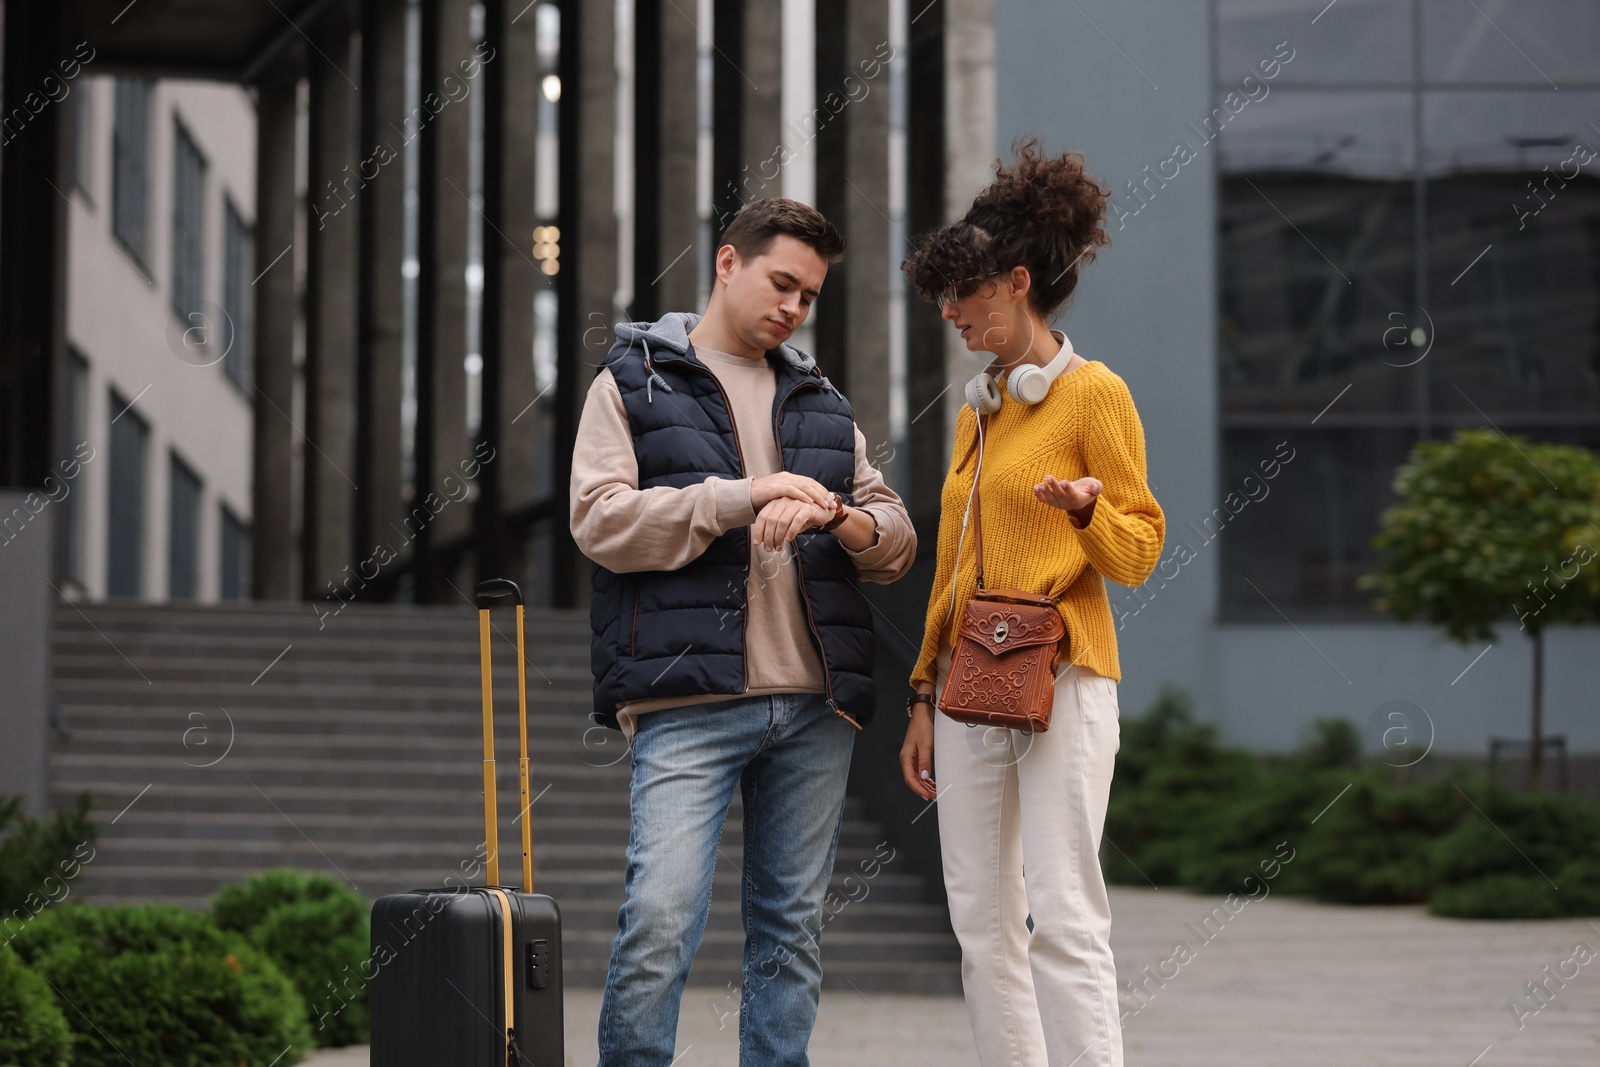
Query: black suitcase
[471, 975]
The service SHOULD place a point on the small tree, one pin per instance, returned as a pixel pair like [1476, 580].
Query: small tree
[1491, 527]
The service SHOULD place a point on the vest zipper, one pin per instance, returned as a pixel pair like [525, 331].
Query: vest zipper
[799, 569]
[744, 612]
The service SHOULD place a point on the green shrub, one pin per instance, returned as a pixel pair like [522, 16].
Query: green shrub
[317, 932]
[1372, 846]
[241, 906]
[33, 1032]
[164, 987]
[39, 858]
[323, 947]
[1186, 810]
[1519, 855]
[1171, 778]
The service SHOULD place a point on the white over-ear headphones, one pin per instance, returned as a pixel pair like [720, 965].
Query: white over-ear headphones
[1027, 383]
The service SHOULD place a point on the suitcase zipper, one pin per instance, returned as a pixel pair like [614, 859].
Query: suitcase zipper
[508, 976]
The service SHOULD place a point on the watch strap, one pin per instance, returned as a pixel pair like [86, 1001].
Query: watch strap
[839, 514]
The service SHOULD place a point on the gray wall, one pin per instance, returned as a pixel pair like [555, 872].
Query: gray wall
[25, 550]
[1119, 80]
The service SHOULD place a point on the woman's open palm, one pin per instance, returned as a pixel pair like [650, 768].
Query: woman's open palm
[1068, 496]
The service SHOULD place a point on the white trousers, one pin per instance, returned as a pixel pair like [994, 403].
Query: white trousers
[1009, 800]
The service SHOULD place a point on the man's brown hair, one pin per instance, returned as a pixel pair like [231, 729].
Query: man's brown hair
[758, 222]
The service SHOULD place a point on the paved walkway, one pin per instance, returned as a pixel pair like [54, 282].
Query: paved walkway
[1282, 982]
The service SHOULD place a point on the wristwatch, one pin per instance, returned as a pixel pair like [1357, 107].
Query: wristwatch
[839, 514]
[919, 698]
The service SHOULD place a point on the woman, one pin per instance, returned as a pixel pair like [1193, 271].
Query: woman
[1064, 505]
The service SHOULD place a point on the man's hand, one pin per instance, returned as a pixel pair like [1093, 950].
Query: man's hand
[764, 491]
[1076, 498]
[781, 519]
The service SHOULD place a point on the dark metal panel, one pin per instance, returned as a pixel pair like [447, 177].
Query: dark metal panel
[925, 330]
[32, 239]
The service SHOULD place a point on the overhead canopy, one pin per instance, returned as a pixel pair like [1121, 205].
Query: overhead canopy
[229, 40]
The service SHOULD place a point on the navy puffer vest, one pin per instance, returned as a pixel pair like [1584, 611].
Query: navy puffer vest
[682, 632]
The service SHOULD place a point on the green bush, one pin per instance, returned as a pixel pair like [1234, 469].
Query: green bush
[1249, 827]
[164, 987]
[317, 932]
[33, 1032]
[1372, 846]
[241, 906]
[39, 858]
[1171, 779]
[1186, 810]
[323, 946]
[1519, 855]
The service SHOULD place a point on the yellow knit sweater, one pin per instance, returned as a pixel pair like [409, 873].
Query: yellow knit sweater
[1085, 426]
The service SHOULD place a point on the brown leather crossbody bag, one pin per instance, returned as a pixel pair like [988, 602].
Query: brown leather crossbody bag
[1003, 664]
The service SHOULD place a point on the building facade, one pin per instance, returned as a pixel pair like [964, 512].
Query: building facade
[1334, 233]
[159, 265]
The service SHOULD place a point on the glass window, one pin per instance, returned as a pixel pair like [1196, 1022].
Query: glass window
[1318, 235]
[1364, 41]
[1300, 538]
[83, 138]
[69, 470]
[238, 263]
[130, 167]
[188, 226]
[125, 518]
[234, 557]
[183, 532]
[1549, 43]
[1355, 134]
[1397, 261]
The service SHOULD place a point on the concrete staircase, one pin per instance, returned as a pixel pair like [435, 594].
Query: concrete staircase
[218, 741]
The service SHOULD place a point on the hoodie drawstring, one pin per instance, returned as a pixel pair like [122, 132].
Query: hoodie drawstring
[653, 377]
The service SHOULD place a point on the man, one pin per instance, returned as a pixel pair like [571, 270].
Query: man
[722, 491]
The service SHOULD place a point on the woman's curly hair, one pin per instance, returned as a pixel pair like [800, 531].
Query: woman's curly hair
[1041, 212]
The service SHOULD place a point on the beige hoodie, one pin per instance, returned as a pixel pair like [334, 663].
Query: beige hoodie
[626, 529]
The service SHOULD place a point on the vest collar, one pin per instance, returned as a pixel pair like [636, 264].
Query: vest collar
[667, 339]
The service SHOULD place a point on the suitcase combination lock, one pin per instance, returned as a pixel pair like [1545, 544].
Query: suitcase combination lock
[538, 964]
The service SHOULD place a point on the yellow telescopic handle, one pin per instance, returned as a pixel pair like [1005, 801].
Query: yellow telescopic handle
[522, 763]
[487, 590]
[491, 828]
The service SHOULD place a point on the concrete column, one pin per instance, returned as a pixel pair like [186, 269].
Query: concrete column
[927, 384]
[511, 278]
[853, 191]
[450, 73]
[587, 283]
[747, 106]
[380, 508]
[332, 235]
[25, 646]
[667, 38]
[971, 118]
[273, 558]
[761, 123]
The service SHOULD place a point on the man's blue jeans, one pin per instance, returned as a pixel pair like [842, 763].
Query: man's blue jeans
[789, 754]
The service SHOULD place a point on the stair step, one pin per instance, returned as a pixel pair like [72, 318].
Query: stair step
[221, 741]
